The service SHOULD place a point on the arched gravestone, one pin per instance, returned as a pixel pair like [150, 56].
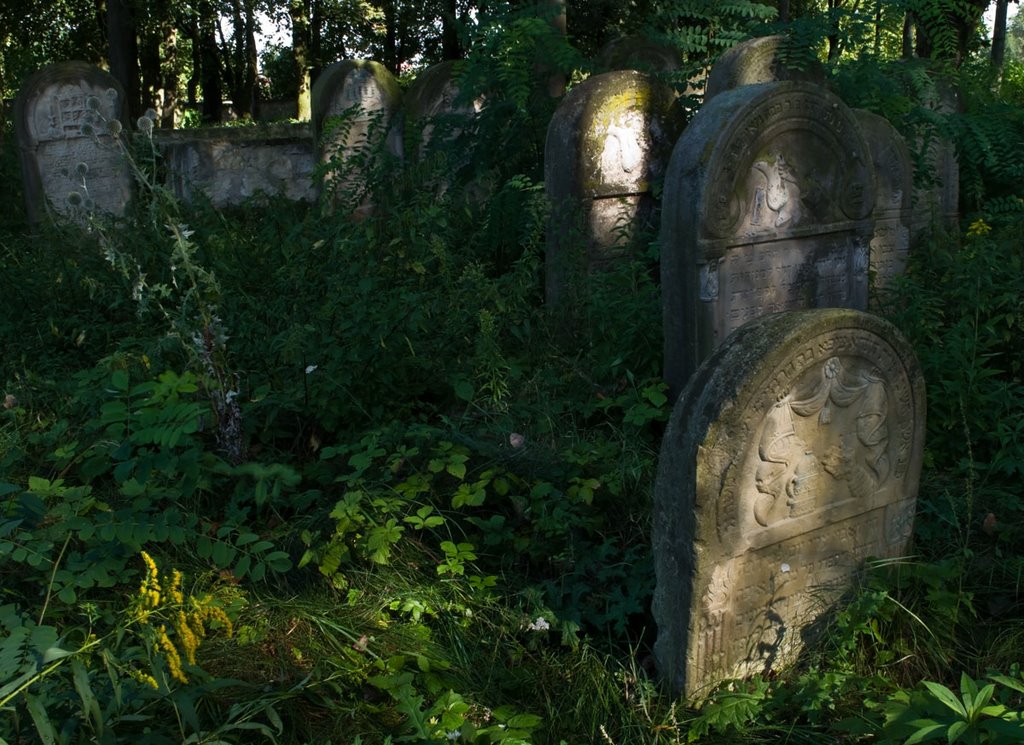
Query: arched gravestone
[767, 207]
[793, 455]
[355, 105]
[638, 52]
[68, 119]
[606, 145]
[756, 61]
[894, 183]
[432, 104]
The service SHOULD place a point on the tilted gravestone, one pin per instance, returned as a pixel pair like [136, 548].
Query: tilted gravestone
[354, 113]
[767, 207]
[607, 145]
[894, 183]
[68, 119]
[760, 60]
[792, 456]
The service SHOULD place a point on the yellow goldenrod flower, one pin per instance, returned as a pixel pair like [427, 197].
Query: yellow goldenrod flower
[171, 653]
[216, 613]
[144, 678]
[979, 227]
[188, 640]
[175, 591]
[149, 590]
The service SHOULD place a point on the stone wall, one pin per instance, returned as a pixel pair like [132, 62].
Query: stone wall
[231, 164]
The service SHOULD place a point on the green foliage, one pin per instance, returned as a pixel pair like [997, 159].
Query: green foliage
[423, 501]
[977, 715]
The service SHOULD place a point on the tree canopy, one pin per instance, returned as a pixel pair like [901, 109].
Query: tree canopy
[168, 53]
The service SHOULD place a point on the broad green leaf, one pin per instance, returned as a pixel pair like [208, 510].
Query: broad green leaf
[946, 696]
[37, 710]
[955, 730]
[89, 703]
[927, 732]
[119, 380]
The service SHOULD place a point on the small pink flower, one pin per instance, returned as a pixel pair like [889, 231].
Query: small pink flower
[516, 440]
[10, 401]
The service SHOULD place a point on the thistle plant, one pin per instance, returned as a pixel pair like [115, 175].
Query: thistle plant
[187, 301]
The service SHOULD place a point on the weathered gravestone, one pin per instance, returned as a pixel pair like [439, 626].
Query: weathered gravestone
[894, 183]
[68, 119]
[433, 105]
[638, 52]
[760, 60]
[937, 203]
[792, 456]
[354, 113]
[767, 207]
[606, 146]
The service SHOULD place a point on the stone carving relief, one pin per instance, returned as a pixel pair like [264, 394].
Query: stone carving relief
[768, 207]
[792, 479]
[791, 458]
[68, 122]
[776, 200]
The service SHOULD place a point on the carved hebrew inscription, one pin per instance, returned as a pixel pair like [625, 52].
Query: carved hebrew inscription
[68, 128]
[768, 205]
[810, 469]
[362, 90]
[767, 278]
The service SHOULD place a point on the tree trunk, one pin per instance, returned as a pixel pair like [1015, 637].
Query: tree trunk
[299, 12]
[391, 36]
[124, 52]
[242, 69]
[450, 47]
[878, 29]
[556, 10]
[908, 36]
[783, 11]
[251, 59]
[210, 73]
[999, 34]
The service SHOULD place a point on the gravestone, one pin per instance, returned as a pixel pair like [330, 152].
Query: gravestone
[793, 455]
[607, 146]
[68, 119]
[938, 203]
[640, 53]
[767, 207]
[432, 104]
[760, 60]
[894, 183]
[355, 105]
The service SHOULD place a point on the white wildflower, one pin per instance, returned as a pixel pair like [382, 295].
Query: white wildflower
[540, 624]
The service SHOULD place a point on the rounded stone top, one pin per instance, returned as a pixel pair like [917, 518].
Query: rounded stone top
[349, 83]
[433, 89]
[84, 87]
[788, 133]
[638, 52]
[611, 135]
[754, 61]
